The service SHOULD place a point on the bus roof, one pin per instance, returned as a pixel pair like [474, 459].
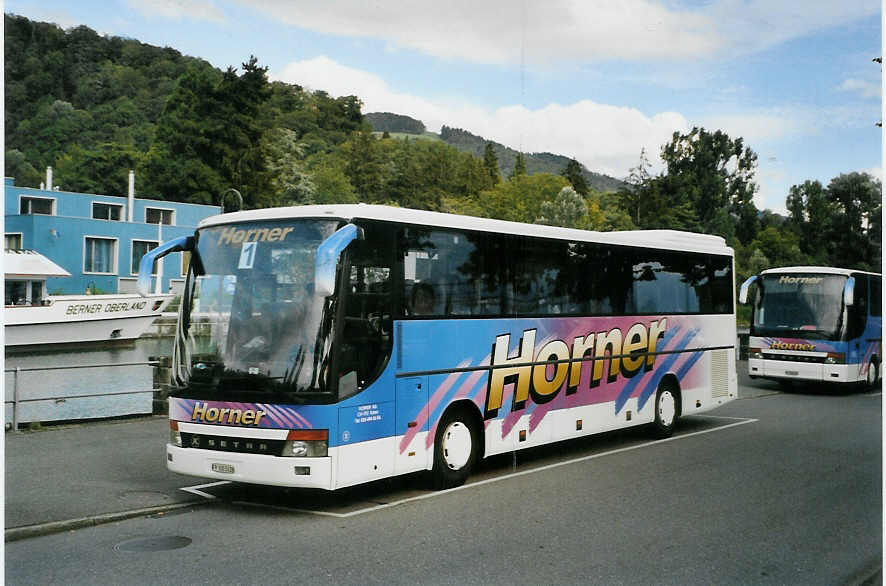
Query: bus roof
[815, 270]
[666, 239]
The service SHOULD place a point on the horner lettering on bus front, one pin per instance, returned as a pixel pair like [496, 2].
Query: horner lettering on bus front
[233, 235]
[627, 353]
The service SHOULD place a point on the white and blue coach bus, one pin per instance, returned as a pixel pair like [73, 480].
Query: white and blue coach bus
[815, 324]
[326, 346]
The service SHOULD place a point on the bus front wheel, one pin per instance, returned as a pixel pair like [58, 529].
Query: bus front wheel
[667, 409]
[455, 449]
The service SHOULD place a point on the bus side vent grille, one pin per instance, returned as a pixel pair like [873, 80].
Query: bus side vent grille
[720, 373]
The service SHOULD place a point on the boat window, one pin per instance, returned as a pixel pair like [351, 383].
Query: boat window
[16, 292]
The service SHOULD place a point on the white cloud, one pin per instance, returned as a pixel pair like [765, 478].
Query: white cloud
[41, 13]
[505, 32]
[757, 127]
[753, 25]
[179, 9]
[863, 87]
[558, 31]
[606, 138]
[772, 180]
[875, 172]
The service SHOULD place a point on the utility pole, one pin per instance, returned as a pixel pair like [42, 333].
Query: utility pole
[880, 61]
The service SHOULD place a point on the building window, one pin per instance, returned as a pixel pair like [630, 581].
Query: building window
[100, 255]
[13, 241]
[139, 249]
[36, 205]
[107, 211]
[159, 216]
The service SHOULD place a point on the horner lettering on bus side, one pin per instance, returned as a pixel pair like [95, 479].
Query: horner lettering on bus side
[233, 235]
[528, 370]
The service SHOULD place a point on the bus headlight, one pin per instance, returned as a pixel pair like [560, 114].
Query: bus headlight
[175, 437]
[754, 353]
[835, 358]
[306, 443]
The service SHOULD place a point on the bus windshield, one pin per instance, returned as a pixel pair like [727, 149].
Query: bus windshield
[803, 305]
[252, 324]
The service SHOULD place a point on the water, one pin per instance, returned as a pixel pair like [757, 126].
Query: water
[56, 394]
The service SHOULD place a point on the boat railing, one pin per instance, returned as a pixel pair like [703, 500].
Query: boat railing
[17, 400]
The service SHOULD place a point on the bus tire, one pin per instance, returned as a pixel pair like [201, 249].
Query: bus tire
[873, 374]
[456, 449]
[667, 409]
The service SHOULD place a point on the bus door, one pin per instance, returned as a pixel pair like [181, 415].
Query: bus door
[412, 425]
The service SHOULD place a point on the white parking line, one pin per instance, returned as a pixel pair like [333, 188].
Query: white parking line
[196, 489]
[738, 421]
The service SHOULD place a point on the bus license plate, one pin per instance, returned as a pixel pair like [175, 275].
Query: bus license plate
[222, 468]
[792, 372]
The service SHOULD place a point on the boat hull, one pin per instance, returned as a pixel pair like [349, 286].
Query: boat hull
[86, 318]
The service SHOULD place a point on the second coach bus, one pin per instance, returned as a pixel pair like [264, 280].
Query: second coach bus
[326, 346]
[815, 324]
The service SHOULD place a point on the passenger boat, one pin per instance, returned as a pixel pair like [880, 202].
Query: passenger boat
[32, 317]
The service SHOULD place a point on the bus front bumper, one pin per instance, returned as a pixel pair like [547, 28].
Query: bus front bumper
[250, 468]
[785, 370]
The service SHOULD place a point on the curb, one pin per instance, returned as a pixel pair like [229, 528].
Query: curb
[41, 529]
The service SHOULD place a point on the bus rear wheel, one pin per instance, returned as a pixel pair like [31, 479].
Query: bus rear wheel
[455, 449]
[667, 409]
[873, 374]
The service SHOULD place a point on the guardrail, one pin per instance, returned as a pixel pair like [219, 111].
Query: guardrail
[17, 400]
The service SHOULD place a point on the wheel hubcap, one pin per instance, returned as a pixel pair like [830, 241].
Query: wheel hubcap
[456, 445]
[667, 408]
[872, 374]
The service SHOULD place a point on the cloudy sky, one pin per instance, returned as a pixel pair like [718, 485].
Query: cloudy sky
[591, 79]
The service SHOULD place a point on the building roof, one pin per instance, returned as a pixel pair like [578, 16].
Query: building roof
[30, 264]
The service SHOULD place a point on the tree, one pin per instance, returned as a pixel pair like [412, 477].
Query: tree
[573, 173]
[639, 187]
[211, 128]
[364, 166]
[184, 163]
[519, 199]
[568, 210]
[780, 247]
[288, 180]
[855, 236]
[519, 166]
[611, 215]
[331, 185]
[714, 172]
[17, 166]
[104, 169]
[490, 163]
[811, 215]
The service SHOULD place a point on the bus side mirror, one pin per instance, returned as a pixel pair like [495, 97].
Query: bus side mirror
[146, 266]
[849, 292]
[743, 291]
[327, 258]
